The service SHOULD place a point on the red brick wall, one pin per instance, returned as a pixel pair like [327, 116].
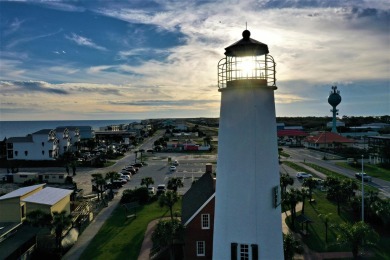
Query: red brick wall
[194, 232]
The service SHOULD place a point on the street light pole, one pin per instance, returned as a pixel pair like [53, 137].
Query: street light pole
[362, 191]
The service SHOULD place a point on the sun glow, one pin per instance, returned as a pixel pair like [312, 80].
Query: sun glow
[246, 67]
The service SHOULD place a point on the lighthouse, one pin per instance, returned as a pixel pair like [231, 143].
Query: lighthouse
[247, 212]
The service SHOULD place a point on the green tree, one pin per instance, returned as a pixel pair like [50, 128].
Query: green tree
[168, 199]
[147, 181]
[325, 218]
[175, 183]
[356, 236]
[166, 233]
[61, 221]
[291, 246]
[38, 218]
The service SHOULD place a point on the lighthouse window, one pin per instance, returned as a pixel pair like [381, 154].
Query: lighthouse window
[244, 252]
[200, 248]
[205, 221]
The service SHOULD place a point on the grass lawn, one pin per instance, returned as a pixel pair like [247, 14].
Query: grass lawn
[370, 169]
[121, 238]
[316, 238]
[337, 175]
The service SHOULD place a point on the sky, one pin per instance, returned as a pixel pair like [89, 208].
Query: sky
[140, 59]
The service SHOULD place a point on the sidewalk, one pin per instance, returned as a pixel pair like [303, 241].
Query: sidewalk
[86, 237]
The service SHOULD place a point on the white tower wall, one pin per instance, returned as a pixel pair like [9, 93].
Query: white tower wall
[247, 170]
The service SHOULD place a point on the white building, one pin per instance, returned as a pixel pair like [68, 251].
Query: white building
[41, 145]
[248, 221]
[73, 134]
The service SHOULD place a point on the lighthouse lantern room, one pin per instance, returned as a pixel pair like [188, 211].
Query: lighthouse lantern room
[247, 212]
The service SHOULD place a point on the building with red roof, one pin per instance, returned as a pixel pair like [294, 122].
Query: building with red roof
[327, 140]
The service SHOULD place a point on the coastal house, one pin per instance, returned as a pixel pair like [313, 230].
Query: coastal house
[41, 145]
[327, 140]
[12, 207]
[22, 177]
[15, 206]
[198, 218]
[63, 140]
[73, 134]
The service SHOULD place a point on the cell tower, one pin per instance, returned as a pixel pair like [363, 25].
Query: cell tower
[334, 100]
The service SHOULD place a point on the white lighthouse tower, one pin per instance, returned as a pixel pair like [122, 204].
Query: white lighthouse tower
[247, 213]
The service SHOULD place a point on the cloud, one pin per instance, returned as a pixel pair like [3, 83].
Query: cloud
[8, 87]
[13, 26]
[154, 103]
[83, 41]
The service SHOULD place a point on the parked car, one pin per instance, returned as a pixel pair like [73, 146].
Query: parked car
[176, 163]
[126, 177]
[172, 168]
[302, 175]
[139, 165]
[160, 189]
[152, 190]
[367, 178]
[125, 172]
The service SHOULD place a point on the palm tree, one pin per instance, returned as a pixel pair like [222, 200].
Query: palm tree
[175, 183]
[310, 183]
[61, 221]
[112, 176]
[335, 191]
[147, 181]
[303, 193]
[285, 180]
[292, 199]
[356, 236]
[100, 182]
[169, 199]
[325, 218]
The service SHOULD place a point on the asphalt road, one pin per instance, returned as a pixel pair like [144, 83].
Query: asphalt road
[302, 154]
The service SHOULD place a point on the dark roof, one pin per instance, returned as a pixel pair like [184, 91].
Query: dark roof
[25, 139]
[196, 196]
[21, 240]
[246, 47]
[43, 131]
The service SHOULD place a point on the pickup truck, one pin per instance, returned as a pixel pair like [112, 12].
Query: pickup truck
[358, 176]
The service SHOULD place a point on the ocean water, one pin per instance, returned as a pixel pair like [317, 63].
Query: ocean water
[22, 128]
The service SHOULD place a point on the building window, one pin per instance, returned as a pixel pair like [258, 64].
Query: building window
[23, 211]
[10, 146]
[25, 153]
[200, 248]
[10, 154]
[43, 144]
[46, 176]
[205, 221]
[16, 153]
[51, 153]
[244, 252]
[61, 177]
[43, 152]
